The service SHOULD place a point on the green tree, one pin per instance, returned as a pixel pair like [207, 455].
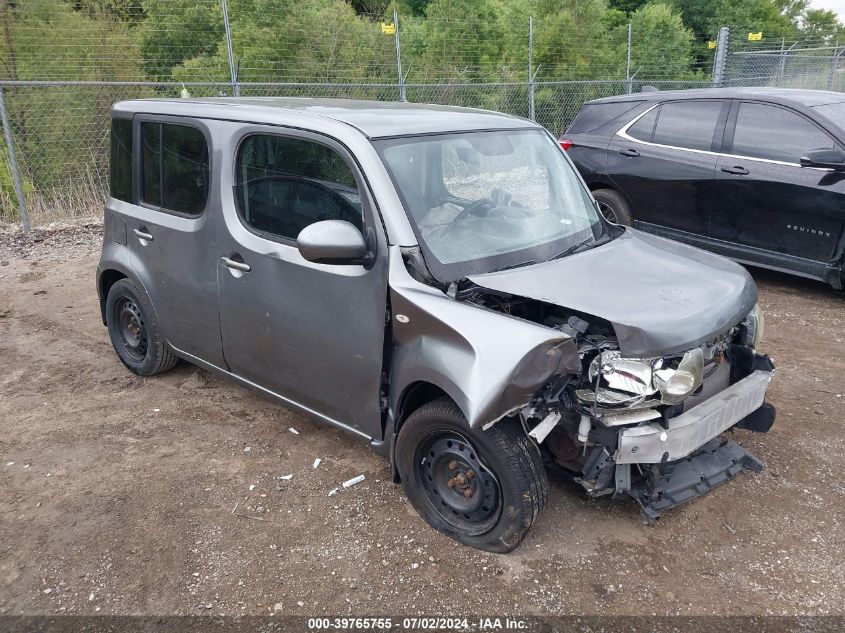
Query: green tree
[627, 6]
[821, 27]
[463, 40]
[661, 44]
[175, 31]
[706, 17]
[129, 11]
[323, 41]
[573, 41]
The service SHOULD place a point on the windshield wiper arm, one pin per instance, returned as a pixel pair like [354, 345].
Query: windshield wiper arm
[573, 248]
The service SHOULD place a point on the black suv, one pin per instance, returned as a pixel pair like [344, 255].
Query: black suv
[755, 174]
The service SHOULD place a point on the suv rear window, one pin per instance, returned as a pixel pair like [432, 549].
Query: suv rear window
[643, 129]
[120, 181]
[593, 116]
[174, 167]
[688, 124]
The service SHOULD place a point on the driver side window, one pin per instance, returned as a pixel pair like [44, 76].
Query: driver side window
[284, 184]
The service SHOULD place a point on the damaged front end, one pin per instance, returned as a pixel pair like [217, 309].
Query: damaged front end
[622, 423]
[649, 428]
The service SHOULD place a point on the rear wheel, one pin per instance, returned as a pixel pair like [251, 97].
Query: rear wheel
[614, 207]
[134, 332]
[482, 488]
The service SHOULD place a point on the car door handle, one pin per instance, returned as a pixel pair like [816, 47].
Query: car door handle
[629, 152]
[736, 170]
[142, 234]
[236, 265]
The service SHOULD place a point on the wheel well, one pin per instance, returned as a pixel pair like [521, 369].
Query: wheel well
[415, 396]
[107, 279]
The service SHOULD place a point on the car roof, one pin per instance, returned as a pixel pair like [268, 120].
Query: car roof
[793, 96]
[375, 119]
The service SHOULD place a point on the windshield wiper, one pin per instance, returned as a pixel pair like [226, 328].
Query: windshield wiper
[573, 248]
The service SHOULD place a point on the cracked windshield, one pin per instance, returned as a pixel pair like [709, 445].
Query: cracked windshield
[478, 195]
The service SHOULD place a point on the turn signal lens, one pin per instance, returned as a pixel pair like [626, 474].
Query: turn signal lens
[754, 325]
[565, 143]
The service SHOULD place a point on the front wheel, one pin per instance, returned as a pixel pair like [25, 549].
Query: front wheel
[482, 488]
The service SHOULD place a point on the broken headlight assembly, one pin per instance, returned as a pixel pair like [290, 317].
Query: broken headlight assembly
[635, 383]
[753, 326]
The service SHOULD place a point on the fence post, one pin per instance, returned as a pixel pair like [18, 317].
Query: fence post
[720, 62]
[834, 66]
[531, 109]
[17, 181]
[402, 94]
[628, 82]
[233, 73]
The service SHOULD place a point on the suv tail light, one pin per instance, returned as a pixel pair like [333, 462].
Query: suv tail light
[565, 143]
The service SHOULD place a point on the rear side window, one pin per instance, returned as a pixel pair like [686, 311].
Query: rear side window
[643, 129]
[284, 184]
[689, 124]
[120, 181]
[593, 116]
[174, 167]
[765, 131]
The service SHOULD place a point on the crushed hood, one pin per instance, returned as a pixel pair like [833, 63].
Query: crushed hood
[661, 297]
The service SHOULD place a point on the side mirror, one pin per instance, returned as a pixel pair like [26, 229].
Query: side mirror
[825, 158]
[333, 242]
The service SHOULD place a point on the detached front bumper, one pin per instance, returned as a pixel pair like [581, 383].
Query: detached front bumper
[665, 486]
[685, 458]
[654, 443]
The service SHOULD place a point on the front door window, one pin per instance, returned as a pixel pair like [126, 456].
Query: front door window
[284, 184]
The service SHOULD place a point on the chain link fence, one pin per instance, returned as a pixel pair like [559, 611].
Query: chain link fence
[66, 63]
[798, 61]
[60, 130]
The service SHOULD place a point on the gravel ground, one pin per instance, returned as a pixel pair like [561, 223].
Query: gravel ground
[125, 495]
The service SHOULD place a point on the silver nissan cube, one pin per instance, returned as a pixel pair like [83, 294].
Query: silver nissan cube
[439, 282]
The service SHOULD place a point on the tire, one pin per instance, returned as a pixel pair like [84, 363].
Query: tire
[498, 485]
[614, 207]
[134, 331]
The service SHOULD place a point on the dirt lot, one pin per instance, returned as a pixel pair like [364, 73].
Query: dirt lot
[117, 492]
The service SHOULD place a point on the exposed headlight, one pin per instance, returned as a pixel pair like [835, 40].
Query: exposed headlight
[676, 385]
[754, 324]
[633, 375]
[628, 382]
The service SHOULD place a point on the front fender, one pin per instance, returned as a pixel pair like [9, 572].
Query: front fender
[489, 363]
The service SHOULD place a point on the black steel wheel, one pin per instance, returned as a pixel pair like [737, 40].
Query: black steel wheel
[134, 332]
[459, 486]
[131, 330]
[481, 488]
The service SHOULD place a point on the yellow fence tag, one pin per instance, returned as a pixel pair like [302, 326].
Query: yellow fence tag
[388, 29]
[711, 44]
[755, 37]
